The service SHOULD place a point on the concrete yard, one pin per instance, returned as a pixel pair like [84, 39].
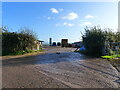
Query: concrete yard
[53, 70]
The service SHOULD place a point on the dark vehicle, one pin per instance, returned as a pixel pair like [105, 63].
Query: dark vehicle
[54, 43]
[58, 44]
[69, 45]
[64, 42]
[77, 44]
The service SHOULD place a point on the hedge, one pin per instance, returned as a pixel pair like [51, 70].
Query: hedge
[16, 43]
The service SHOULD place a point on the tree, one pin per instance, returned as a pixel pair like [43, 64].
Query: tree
[28, 37]
[28, 31]
[4, 29]
[94, 40]
[110, 36]
[118, 36]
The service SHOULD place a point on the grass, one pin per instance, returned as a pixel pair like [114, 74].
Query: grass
[111, 57]
[24, 52]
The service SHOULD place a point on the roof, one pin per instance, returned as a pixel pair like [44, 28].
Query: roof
[40, 40]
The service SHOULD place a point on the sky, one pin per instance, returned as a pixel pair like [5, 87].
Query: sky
[59, 20]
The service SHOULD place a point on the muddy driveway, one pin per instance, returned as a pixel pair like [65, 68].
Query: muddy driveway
[64, 69]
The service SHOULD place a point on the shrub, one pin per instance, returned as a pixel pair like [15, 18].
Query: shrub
[17, 43]
[20, 52]
[94, 40]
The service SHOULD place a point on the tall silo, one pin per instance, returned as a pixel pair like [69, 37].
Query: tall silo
[50, 41]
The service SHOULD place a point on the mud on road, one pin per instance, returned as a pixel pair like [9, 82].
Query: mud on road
[65, 69]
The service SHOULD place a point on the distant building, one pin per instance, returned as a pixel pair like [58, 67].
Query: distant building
[58, 44]
[38, 44]
[77, 44]
[54, 44]
[64, 42]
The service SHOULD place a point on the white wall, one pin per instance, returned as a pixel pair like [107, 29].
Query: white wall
[119, 16]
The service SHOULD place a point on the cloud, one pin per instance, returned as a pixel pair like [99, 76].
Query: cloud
[48, 18]
[85, 24]
[53, 10]
[60, 9]
[64, 24]
[90, 16]
[70, 16]
[68, 24]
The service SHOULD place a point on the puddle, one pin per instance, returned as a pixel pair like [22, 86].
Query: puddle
[62, 57]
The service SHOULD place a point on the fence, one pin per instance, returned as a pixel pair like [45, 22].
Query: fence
[112, 48]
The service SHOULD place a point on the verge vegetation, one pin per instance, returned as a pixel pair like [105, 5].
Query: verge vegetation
[94, 41]
[17, 43]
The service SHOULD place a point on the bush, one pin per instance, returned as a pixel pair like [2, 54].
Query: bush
[10, 43]
[17, 43]
[94, 40]
[20, 52]
[29, 50]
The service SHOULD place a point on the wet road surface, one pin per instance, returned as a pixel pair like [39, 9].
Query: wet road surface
[65, 70]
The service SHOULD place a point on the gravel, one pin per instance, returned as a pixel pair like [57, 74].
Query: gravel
[64, 70]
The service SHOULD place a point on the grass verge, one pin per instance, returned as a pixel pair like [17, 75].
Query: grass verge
[24, 52]
[114, 60]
